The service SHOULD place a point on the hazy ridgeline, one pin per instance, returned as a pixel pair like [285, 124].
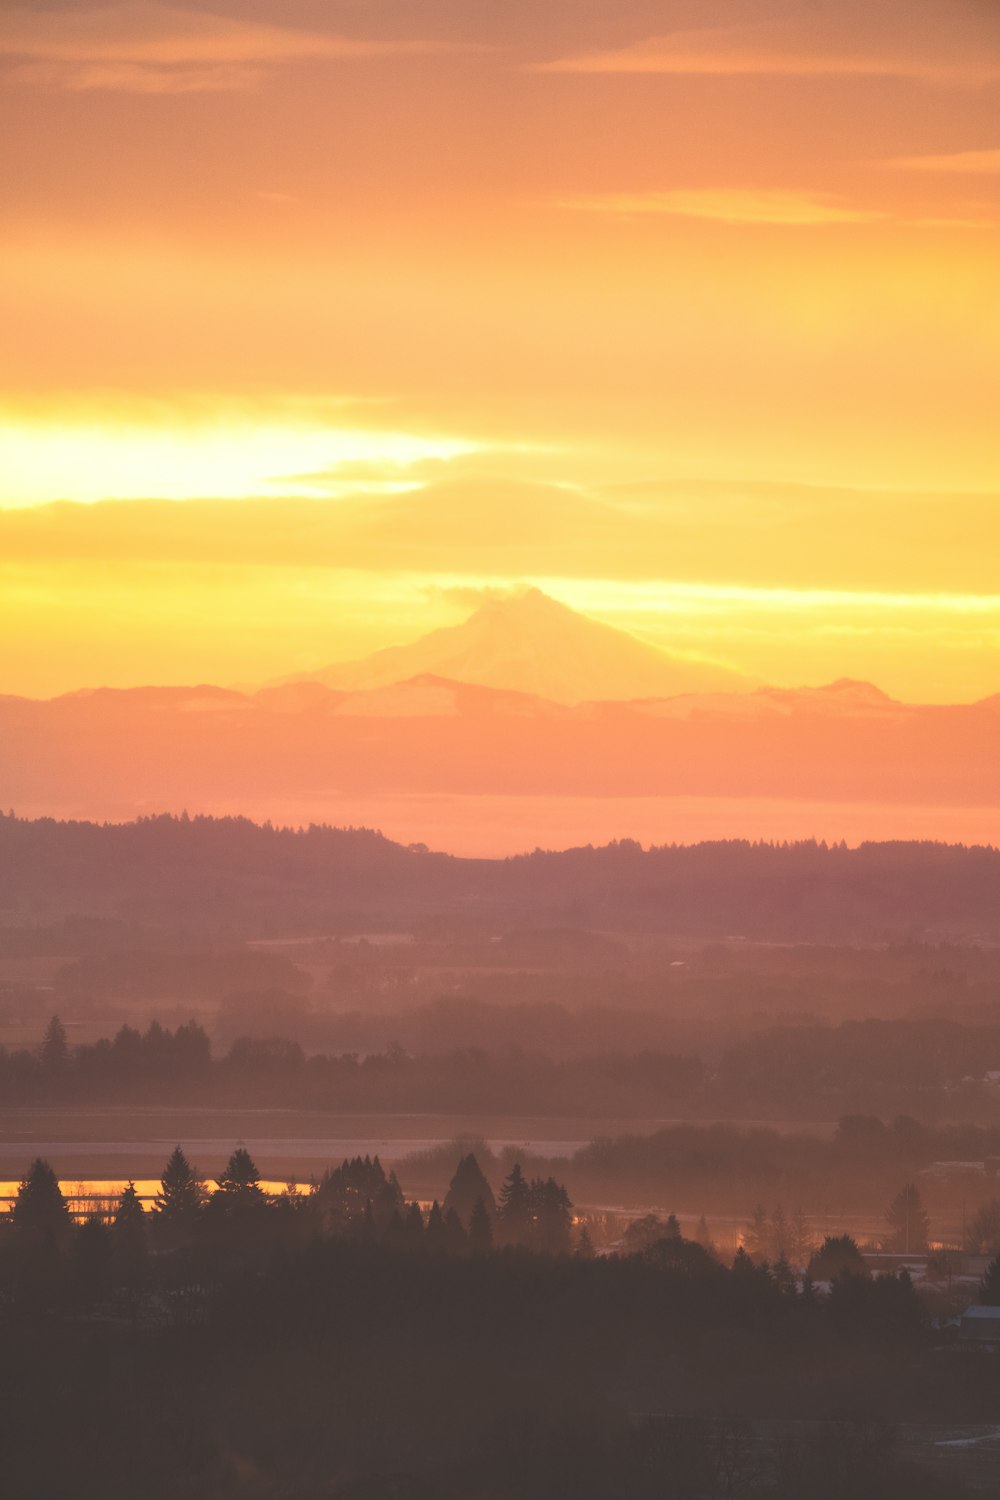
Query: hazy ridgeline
[774, 1044]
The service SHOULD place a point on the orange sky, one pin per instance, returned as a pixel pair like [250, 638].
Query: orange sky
[324, 316]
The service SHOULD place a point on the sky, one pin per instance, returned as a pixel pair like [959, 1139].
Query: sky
[322, 317]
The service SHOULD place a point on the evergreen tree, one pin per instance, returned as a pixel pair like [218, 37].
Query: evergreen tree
[468, 1186]
[784, 1280]
[54, 1051]
[584, 1244]
[128, 1238]
[480, 1229]
[672, 1228]
[909, 1224]
[182, 1193]
[837, 1254]
[515, 1211]
[40, 1214]
[239, 1182]
[989, 1287]
[435, 1236]
[553, 1217]
[413, 1227]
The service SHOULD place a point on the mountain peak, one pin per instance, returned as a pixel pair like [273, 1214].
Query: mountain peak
[528, 642]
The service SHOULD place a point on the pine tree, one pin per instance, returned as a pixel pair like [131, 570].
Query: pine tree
[54, 1051]
[515, 1210]
[413, 1227]
[480, 1229]
[672, 1228]
[128, 1238]
[182, 1193]
[240, 1180]
[703, 1235]
[467, 1186]
[989, 1287]
[584, 1244]
[435, 1236]
[40, 1214]
[909, 1223]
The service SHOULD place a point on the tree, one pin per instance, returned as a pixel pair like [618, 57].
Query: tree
[672, 1228]
[703, 1235]
[40, 1215]
[435, 1237]
[642, 1233]
[757, 1235]
[239, 1182]
[515, 1210]
[480, 1229]
[128, 1239]
[909, 1224]
[468, 1186]
[982, 1235]
[989, 1287]
[54, 1051]
[181, 1197]
[837, 1254]
[552, 1217]
[413, 1227]
[584, 1244]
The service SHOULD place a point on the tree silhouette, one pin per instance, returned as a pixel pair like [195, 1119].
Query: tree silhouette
[128, 1239]
[181, 1196]
[909, 1224]
[40, 1214]
[480, 1229]
[54, 1051]
[467, 1187]
[584, 1244]
[837, 1254]
[982, 1234]
[239, 1182]
[435, 1235]
[515, 1209]
[989, 1287]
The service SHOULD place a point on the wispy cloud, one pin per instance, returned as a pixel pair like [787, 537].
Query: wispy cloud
[150, 48]
[793, 49]
[962, 163]
[726, 206]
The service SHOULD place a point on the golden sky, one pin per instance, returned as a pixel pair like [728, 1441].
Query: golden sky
[319, 317]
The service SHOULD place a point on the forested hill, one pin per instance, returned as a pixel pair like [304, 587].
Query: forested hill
[230, 875]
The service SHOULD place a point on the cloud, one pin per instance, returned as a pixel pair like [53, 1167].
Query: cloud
[727, 206]
[801, 48]
[150, 48]
[963, 163]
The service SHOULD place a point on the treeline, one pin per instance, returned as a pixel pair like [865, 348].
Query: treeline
[162, 1065]
[326, 1345]
[229, 874]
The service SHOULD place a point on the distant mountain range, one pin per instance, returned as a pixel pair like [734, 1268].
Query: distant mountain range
[499, 707]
